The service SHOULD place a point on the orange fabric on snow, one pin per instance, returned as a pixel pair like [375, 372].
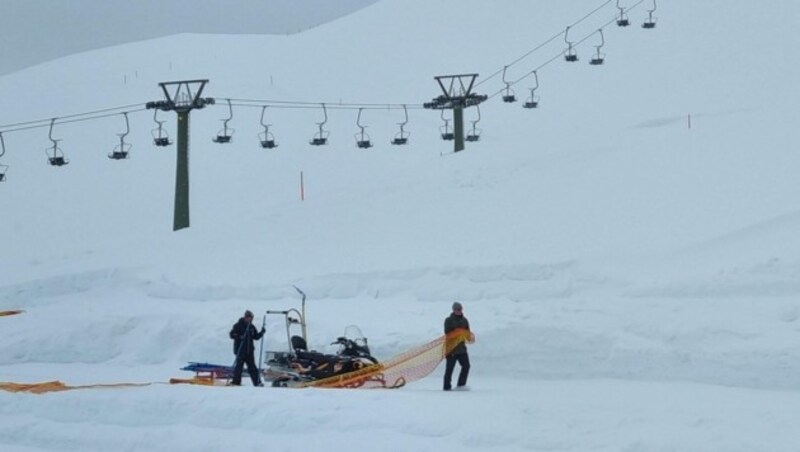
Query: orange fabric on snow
[57, 386]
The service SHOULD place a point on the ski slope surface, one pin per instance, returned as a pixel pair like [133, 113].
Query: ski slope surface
[627, 253]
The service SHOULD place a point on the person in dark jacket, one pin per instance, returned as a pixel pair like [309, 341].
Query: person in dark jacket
[244, 333]
[455, 321]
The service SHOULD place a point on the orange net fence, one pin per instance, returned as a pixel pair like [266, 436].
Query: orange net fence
[412, 365]
[14, 312]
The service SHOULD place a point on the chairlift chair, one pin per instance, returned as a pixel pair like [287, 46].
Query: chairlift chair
[266, 138]
[362, 139]
[3, 168]
[475, 134]
[599, 57]
[508, 95]
[533, 101]
[321, 137]
[121, 151]
[160, 136]
[650, 23]
[622, 20]
[447, 131]
[226, 133]
[401, 137]
[55, 156]
[569, 53]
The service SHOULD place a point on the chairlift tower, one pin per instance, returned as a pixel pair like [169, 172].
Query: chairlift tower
[457, 95]
[182, 97]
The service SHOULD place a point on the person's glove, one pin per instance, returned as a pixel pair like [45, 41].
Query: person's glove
[263, 330]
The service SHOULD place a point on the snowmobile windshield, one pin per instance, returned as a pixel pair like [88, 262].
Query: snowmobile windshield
[354, 333]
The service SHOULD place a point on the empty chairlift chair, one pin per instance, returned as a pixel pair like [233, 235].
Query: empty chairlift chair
[362, 139]
[651, 21]
[569, 53]
[160, 136]
[321, 137]
[121, 151]
[55, 156]
[3, 168]
[599, 57]
[266, 138]
[533, 101]
[475, 134]
[622, 20]
[508, 94]
[446, 131]
[401, 138]
[226, 133]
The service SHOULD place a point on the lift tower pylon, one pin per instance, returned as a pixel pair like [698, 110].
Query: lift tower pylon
[457, 95]
[182, 97]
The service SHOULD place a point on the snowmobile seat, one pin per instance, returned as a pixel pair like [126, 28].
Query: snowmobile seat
[299, 344]
[313, 358]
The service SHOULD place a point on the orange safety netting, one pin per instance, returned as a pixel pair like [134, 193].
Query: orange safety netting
[412, 365]
[57, 386]
[14, 312]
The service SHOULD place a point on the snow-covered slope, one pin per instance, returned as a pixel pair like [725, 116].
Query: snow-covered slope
[633, 281]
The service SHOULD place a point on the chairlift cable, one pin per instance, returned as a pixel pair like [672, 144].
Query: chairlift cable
[548, 41]
[560, 54]
[47, 120]
[315, 106]
[69, 121]
[333, 105]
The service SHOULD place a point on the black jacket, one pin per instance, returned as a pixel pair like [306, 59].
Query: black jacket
[240, 332]
[455, 322]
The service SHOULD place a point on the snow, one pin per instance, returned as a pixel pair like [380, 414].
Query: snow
[633, 283]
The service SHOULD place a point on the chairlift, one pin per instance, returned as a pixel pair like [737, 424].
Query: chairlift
[160, 136]
[650, 23]
[3, 168]
[533, 101]
[321, 137]
[599, 57]
[225, 134]
[446, 130]
[569, 54]
[401, 138]
[622, 20]
[121, 151]
[475, 134]
[362, 139]
[266, 138]
[55, 156]
[509, 96]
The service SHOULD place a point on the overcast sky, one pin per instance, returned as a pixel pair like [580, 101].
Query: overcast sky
[35, 31]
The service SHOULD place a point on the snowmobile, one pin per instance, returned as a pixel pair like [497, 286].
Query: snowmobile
[298, 365]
